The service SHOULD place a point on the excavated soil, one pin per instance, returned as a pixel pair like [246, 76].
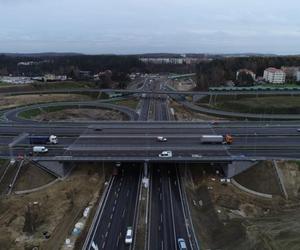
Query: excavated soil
[24, 219]
[226, 218]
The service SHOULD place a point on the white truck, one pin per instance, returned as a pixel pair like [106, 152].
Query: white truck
[217, 139]
[43, 139]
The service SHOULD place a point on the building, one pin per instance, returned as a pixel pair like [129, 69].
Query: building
[246, 71]
[298, 76]
[170, 60]
[273, 75]
[291, 72]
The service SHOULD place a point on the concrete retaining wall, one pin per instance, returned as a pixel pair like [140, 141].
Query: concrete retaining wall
[239, 186]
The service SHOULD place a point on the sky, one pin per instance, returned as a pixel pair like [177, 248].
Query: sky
[144, 26]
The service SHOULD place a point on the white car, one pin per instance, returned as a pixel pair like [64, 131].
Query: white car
[40, 149]
[165, 154]
[128, 237]
[161, 138]
[181, 244]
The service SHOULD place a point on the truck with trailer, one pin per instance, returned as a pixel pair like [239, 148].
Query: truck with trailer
[40, 139]
[216, 139]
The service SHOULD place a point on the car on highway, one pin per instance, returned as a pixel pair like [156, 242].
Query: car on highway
[165, 154]
[161, 139]
[40, 149]
[128, 237]
[181, 244]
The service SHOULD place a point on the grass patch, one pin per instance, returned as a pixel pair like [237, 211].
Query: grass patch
[131, 103]
[64, 85]
[258, 105]
[4, 84]
[3, 162]
[28, 114]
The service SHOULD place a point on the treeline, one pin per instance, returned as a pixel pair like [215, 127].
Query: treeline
[69, 65]
[217, 72]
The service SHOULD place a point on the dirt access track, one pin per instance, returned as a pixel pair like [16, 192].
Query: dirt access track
[55, 210]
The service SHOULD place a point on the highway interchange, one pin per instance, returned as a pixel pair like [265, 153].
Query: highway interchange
[133, 143]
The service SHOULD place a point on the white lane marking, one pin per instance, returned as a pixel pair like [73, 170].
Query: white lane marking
[127, 194]
[109, 224]
[160, 196]
[113, 208]
[162, 245]
[123, 214]
[115, 202]
[161, 218]
[111, 215]
[103, 245]
[106, 234]
[118, 241]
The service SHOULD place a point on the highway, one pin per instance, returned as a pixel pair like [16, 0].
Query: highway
[117, 211]
[140, 141]
[137, 141]
[157, 92]
[167, 221]
[134, 142]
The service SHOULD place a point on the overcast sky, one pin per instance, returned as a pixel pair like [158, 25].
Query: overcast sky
[140, 26]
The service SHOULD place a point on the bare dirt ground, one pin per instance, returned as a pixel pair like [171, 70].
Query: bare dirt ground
[226, 218]
[32, 177]
[82, 115]
[184, 114]
[183, 85]
[55, 212]
[14, 101]
[291, 173]
[261, 178]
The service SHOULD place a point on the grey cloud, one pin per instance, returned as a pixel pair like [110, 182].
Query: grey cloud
[132, 26]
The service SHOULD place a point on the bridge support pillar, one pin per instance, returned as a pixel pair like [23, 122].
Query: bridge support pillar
[145, 169]
[56, 168]
[210, 99]
[237, 167]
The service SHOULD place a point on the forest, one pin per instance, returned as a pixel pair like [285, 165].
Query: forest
[70, 65]
[217, 72]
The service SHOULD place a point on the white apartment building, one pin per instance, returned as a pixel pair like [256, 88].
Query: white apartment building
[298, 76]
[273, 75]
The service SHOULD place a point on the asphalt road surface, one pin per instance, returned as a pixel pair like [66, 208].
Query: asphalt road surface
[118, 211]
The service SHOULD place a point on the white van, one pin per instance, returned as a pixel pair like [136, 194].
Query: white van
[40, 149]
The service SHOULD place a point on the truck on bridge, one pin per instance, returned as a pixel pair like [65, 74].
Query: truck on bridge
[216, 139]
[40, 139]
